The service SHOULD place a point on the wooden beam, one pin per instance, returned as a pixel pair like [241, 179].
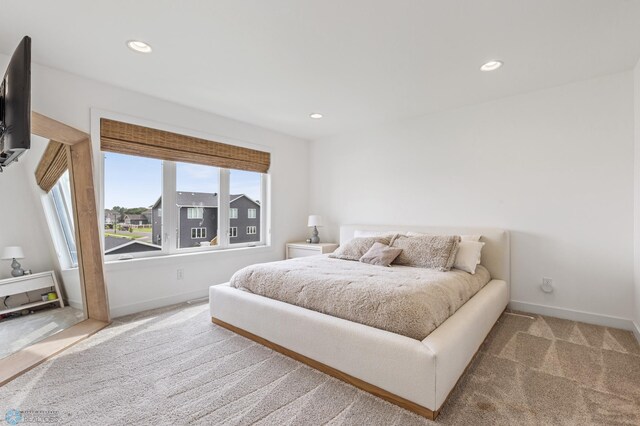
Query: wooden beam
[24, 360]
[51, 129]
[361, 384]
[90, 259]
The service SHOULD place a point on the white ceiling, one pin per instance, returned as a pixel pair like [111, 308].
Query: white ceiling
[358, 62]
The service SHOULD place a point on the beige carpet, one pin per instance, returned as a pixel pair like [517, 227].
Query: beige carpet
[172, 366]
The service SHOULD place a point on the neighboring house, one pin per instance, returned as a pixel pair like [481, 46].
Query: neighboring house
[198, 213]
[110, 217]
[244, 225]
[123, 245]
[136, 219]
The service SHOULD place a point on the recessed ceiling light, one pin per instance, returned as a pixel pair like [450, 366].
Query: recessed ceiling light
[491, 66]
[315, 115]
[139, 46]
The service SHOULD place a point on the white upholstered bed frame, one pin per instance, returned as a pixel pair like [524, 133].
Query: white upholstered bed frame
[417, 375]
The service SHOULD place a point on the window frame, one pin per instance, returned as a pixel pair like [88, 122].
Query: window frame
[203, 232]
[170, 217]
[60, 236]
[199, 212]
[231, 211]
[255, 213]
[231, 232]
[253, 228]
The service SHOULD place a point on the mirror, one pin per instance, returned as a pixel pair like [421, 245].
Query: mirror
[38, 241]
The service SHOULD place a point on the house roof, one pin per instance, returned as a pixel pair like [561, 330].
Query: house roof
[112, 244]
[136, 216]
[202, 199]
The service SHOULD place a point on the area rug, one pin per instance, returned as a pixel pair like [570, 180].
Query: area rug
[173, 366]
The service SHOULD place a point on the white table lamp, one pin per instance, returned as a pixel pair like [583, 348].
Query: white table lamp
[315, 221]
[14, 252]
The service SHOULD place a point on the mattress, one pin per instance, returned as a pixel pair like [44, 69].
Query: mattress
[404, 300]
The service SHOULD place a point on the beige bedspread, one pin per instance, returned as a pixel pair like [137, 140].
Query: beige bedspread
[404, 300]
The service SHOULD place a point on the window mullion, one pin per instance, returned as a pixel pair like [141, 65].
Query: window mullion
[265, 209]
[223, 208]
[169, 210]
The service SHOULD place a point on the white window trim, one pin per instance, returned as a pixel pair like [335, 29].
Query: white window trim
[252, 228]
[233, 210]
[231, 229]
[249, 213]
[198, 210]
[169, 197]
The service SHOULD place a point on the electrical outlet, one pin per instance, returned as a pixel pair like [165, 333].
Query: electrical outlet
[547, 285]
[180, 274]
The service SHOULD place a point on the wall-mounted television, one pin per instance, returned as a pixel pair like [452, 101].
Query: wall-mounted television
[15, 105]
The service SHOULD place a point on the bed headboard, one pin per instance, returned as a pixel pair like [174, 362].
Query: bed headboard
[496, 255]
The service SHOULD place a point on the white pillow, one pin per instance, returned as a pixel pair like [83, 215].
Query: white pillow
[468, 256]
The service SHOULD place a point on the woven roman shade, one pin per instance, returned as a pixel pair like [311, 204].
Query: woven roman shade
[126, 138]
[52, 165]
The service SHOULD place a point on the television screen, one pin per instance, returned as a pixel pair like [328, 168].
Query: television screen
[15, 105]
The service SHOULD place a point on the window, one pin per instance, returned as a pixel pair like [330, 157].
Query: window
[198, 233]
[197, 202]
[61, 196]
[195, 213]
[155, 207]
[246, 191]
[132, 193]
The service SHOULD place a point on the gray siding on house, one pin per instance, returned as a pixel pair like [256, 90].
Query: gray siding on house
[156, 223]
[209, 221]
[243, 204]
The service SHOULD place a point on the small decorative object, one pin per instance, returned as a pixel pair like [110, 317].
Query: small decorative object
[52, 296]
[45, 297]
[309, 240]
[14, 252]
[315, 221]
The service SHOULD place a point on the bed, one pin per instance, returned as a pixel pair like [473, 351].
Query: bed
[415, 374]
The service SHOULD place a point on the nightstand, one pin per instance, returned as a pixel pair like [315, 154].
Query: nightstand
[307, 249]
[25, 283]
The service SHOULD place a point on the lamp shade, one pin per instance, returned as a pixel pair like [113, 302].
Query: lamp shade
[13, 252]
[315, 220]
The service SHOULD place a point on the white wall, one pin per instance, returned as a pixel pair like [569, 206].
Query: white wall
[555, 167]
[21, 224]
[141, 284]
[636, 215]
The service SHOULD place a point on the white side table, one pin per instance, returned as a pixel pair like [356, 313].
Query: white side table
[307, 249]
[18, 285]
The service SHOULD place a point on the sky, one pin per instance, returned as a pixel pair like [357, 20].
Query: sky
[137, 182]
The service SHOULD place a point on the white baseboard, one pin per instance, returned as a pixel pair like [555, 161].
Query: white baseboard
[570, 314]
[118, 311]
[75, 304]
[636, 330]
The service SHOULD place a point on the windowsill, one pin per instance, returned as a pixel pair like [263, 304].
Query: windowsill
[235, 251]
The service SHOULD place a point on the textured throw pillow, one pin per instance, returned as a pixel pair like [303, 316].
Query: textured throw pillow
[468, 256]
[462, 237]
[427, 251]
[357, 247]
[380, 254]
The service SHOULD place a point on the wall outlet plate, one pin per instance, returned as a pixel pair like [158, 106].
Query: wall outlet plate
[547, 285]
